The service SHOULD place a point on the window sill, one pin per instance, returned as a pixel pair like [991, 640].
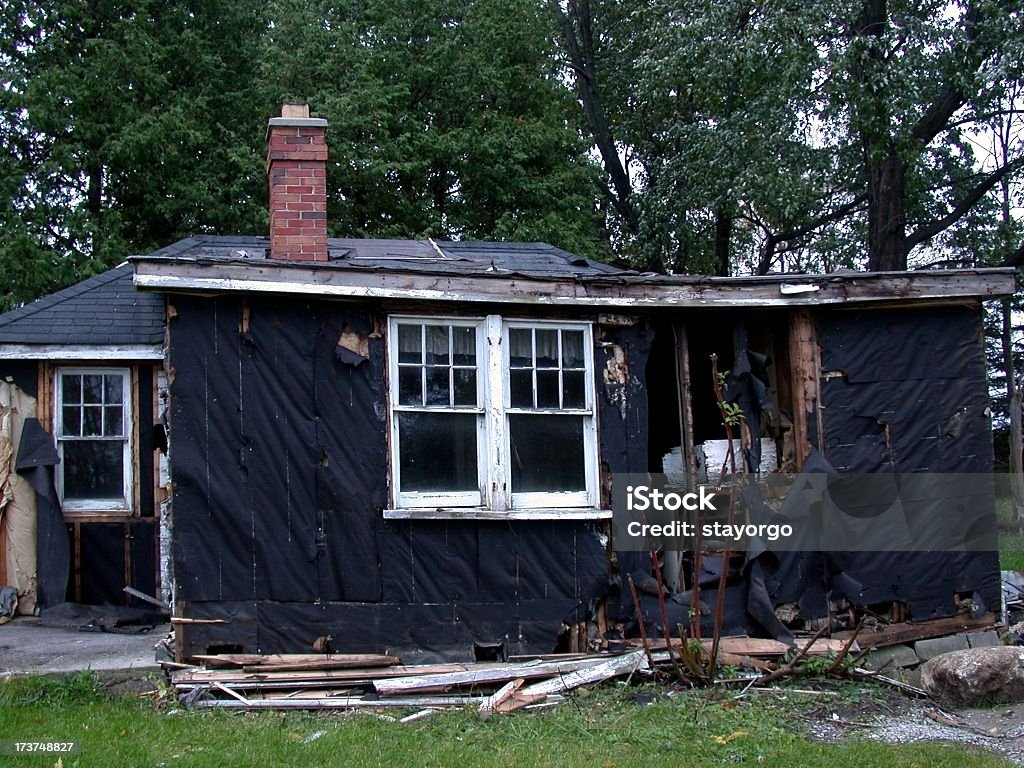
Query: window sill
[455, 513]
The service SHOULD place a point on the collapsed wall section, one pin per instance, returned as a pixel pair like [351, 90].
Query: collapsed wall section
[902, 391]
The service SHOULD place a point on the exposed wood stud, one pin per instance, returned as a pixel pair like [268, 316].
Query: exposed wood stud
[805, 362]
[77, 533]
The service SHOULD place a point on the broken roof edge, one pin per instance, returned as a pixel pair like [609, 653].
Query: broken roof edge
[625, 290]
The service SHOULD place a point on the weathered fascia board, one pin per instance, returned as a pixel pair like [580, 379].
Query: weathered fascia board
[622, 291]
[510, 514]
[80, 352]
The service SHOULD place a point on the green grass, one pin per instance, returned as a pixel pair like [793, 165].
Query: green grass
[603, 727]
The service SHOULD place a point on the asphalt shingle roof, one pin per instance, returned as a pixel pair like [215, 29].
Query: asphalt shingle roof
[105, 309]
[540, 260]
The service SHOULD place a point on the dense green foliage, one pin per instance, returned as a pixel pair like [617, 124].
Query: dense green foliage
[774, 135]
[693, 135]
[126, 126]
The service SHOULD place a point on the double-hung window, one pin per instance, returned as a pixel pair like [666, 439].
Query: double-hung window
[491, 415]
[93, 426]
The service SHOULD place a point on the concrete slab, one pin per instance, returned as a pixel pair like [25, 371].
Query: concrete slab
[891, 658]
[936, 646]
[28, 648]
[987, 639]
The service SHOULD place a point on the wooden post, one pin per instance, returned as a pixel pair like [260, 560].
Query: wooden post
[805, 362]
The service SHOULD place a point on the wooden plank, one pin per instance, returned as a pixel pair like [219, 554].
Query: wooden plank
[487, 706]
[748, 662]
[342, 702]
[147, 598]
[519, 700]
[3, 546]
[620, 291]
[908, 632]
[179, 620]
[281, 679]
[751, 646]
[596, 673]
[284, 662]
[757, 646]
[231, 693]
[481, 676]
[549, 657]
[137, 402]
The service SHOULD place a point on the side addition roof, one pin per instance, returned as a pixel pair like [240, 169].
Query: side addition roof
[103, 316]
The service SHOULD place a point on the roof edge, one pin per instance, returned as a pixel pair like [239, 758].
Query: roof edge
[606, 290]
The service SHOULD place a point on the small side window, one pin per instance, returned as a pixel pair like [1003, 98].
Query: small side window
[93, 426]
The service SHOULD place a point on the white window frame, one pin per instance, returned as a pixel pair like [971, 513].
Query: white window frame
[433, 499]
[495, 498]
[124, 504]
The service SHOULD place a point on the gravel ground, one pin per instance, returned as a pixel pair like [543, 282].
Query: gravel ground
[898, 720]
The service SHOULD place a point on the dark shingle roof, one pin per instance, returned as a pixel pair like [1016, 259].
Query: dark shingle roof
[468, 258]
[105, 309]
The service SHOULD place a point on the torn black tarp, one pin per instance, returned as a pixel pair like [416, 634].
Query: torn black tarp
[747, 386]
[37, 457]
[281, 479]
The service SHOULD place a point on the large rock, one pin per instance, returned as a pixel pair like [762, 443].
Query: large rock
[976, 676]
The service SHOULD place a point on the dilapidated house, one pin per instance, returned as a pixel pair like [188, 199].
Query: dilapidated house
[411, 445]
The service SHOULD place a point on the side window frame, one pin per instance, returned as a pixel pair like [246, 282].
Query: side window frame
[65, 435]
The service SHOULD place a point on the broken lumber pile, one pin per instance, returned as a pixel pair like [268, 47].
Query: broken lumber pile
[345, 681]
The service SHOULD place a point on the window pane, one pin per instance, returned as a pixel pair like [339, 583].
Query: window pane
[410, 385]
[93, 469]
[409, 338]
[547, 453]
[547, 348]
[437, 345]
[92, 420]
[92, 389]
[437, 386]
[465, 386]
[438, 451]
[573, 392]
[464, 344]
[71, 388]
[547, 389]
[113, 426]
[521, 386]
[572, 349]
[72, 420]
[520, 348]
[113, 386]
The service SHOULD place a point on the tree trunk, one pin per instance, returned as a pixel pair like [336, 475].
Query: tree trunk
[578, 37]
[887, 217]
[723, 234]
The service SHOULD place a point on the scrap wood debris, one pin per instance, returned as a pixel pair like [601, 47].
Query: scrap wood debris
[349, 681]
[343, 681]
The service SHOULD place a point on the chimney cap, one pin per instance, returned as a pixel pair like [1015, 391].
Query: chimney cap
[295, 114]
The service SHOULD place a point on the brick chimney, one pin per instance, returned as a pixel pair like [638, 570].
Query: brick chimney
[297, 171]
